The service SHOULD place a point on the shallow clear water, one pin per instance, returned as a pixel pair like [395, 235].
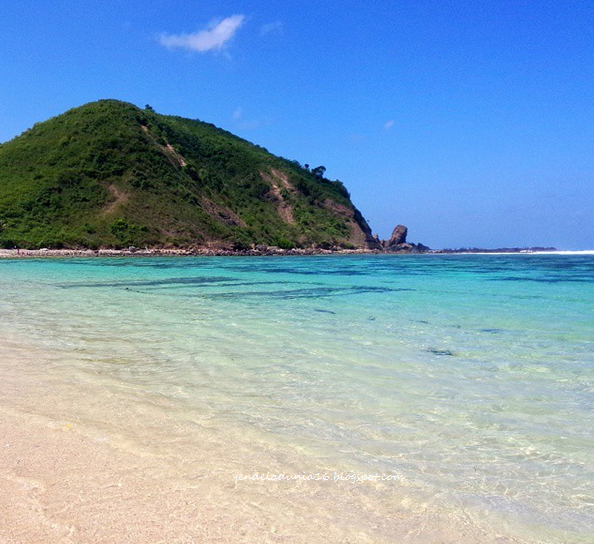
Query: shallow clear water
[472, 376]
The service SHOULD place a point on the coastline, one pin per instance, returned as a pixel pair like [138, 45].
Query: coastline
[175, 252]
[269, 251]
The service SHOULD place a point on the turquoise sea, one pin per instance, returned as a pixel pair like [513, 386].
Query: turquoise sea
[470, 377]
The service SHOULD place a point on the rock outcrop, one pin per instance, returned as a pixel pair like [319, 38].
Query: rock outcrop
[398, 243]
[398, 237]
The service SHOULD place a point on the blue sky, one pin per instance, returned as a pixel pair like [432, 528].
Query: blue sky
[471, 122]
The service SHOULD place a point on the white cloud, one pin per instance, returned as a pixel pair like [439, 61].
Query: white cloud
[214, 37]
[240, 121]
[355, 138]
[389, 124]
[271, 28]
[255, 123]
[237, 114]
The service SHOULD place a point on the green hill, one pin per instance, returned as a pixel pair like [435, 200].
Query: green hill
[109, 174]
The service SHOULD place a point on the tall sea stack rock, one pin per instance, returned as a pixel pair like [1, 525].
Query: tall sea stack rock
[398, 243]
[398, 237]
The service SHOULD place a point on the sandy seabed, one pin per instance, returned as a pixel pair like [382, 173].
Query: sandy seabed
[83, 464]
[59, 487]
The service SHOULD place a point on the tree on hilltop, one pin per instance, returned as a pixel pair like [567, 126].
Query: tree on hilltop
[318, 171]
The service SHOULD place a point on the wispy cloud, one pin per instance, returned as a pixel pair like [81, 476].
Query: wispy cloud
[389, 124]
[213, 38]
[241, 122]
[355, 138]
[237, 114]
[271, 28]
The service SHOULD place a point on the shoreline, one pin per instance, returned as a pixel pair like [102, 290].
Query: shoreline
[268, 252]
[188, 252]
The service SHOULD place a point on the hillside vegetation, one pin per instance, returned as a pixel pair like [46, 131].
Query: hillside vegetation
[109, 174]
